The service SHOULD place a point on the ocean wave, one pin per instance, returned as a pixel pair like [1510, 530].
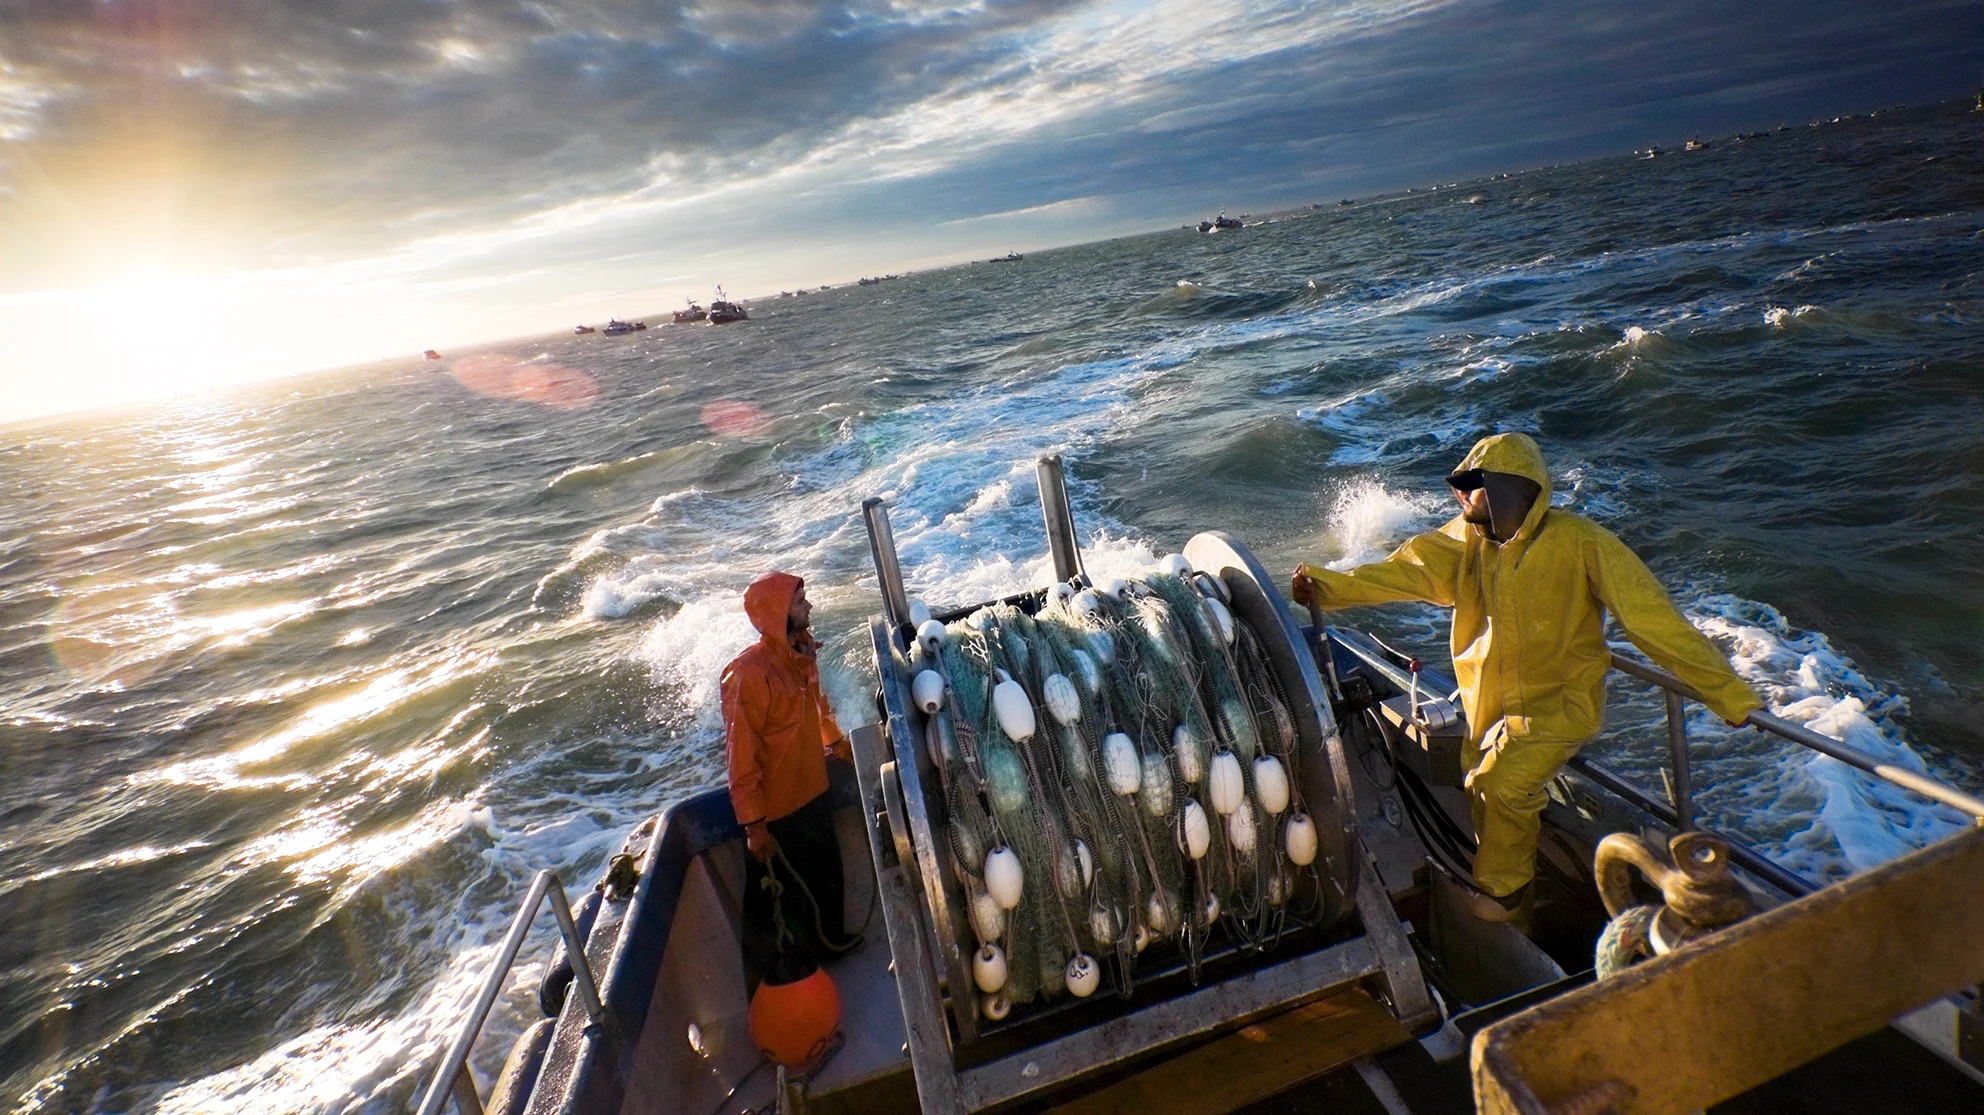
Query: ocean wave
[647, 582]
[1778, 317]
[687, 652]
[580, 477]
[1635, 338]
[1176, 296]
[1861, 821]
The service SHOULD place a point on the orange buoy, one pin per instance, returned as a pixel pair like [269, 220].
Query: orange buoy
[794, 1021]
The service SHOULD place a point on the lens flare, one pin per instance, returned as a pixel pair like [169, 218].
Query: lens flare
[502, 376]
[730, 418]
[107, 631]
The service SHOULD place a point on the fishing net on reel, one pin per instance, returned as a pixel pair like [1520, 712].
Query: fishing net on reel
[1120, 877]
[1086, 738]
[1247, 853]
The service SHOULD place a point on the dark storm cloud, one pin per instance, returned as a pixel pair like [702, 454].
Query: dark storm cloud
[1475, 88]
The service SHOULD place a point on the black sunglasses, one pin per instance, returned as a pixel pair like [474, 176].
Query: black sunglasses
[1466, 481]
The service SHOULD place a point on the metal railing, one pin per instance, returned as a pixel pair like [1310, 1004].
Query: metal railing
[453, 1078]
[1677, 747]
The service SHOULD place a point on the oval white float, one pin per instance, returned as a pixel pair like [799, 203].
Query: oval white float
[1063, 703]
[1228, 786]
[928, 690]
[1198, 831]
[1301, 840]
[988, 968]
[1084, 976]
[1271, 784]
[1014, 710]
[931, 635]
[1240, 831]
[1120, 764]
[1003, 877]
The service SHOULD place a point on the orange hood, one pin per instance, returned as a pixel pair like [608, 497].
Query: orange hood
[768, 602]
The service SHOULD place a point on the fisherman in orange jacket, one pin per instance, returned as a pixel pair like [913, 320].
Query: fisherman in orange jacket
[778, 732]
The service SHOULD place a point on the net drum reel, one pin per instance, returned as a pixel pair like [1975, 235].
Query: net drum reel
[1118, 816]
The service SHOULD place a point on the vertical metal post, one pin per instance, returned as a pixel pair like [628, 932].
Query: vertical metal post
[453, 1079]
[888, 567]
[1677, 753]
[1059, 517]
[1321, 650]
[575, 950]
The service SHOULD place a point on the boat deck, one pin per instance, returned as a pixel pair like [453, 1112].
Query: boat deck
[701, 983]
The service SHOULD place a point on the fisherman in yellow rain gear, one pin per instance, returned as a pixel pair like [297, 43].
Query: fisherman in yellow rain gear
[1530, 586]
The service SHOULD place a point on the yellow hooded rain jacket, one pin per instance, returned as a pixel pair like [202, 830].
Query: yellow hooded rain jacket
[1529, 646]
[1529, 614]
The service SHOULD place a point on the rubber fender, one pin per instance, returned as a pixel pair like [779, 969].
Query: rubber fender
[512, 1092]
[558, 977]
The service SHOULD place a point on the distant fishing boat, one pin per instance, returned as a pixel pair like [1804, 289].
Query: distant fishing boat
[1220, 222]
[1696, 145]
[724, 311]
[581, 330]
[693, 314]
[618, 328]
[430, 354]
[1009, 257]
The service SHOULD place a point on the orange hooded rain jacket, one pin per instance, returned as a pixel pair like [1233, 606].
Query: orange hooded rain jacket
[777, 725]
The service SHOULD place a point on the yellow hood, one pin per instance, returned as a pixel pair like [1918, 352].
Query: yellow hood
[1519, 455]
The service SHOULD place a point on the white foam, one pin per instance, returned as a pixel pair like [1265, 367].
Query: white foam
[619, 594]
[384, 1063]
[1369, 520]
[688, 650]
[1860, 821]
[1778, 317]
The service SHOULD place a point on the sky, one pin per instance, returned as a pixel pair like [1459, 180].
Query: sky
[195, 193]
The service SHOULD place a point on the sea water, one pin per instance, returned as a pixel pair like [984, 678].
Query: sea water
[299, 685]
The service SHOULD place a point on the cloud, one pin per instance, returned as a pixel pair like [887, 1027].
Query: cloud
[424, 117]
[549, 147]
[1075, 207]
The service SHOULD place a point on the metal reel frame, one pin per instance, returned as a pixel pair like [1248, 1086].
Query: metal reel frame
[925, 908]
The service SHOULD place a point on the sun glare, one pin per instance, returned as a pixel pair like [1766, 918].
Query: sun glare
[151, 331]
[168, 330]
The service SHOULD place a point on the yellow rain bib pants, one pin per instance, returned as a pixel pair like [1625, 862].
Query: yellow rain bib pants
[1529, 647]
